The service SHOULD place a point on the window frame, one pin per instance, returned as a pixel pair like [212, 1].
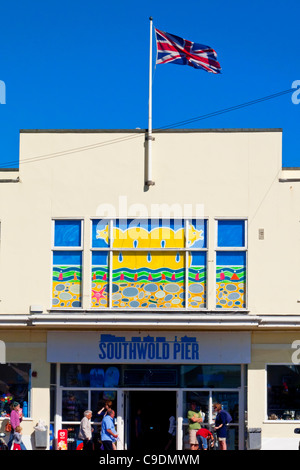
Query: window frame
[67, 248]
[243, 249]
[29, 392]
[276, 421]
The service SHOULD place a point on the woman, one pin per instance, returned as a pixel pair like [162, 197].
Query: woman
[15, 420]
[220, 426]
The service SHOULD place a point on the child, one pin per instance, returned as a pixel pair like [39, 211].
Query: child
[203, 435]
[17, 443]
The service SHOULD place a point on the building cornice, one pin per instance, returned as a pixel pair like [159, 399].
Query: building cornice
[151, 320]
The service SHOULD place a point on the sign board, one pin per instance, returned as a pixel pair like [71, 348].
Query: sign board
[62, 439]
[149, 348]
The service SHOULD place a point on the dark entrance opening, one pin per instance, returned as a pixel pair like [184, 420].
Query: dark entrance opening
[149, 414]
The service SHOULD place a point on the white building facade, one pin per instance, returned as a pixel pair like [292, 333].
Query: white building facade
[151, 295]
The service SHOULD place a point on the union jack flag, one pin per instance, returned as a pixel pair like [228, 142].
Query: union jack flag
[171, 48]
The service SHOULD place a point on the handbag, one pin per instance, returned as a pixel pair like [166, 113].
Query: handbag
[8, 427]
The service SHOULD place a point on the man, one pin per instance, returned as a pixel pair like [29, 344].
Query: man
[86, 430]
[108, 431]
[195, 418]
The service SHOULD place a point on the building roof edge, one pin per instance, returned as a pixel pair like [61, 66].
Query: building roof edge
[138, 131]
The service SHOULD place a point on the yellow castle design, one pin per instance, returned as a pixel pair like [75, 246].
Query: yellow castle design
[159, 237]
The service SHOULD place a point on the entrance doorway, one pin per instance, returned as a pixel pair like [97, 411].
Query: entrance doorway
[148, 414]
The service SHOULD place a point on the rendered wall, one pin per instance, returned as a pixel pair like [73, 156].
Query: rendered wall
[269, 348]
[225, 174]
[31, 347]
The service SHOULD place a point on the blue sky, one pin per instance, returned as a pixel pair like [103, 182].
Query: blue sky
[84, 65]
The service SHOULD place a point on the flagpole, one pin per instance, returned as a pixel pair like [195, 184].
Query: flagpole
[149, 181]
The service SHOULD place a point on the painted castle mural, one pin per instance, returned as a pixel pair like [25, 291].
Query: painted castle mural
[147, 271]
[154, 264]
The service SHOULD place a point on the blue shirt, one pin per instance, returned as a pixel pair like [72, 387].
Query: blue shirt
[108, 423]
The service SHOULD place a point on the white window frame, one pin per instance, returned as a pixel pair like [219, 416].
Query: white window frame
[276, 421]
[30, 388]
[66, 248]
[243, 249]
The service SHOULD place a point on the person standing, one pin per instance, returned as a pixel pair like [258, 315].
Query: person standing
[15, 421]
[171, 432]
[86, 431]
[107, 406]
[138, 428]
[108, 431]
[17, 442]
[195, 420]
[220, 426]
[104, 407]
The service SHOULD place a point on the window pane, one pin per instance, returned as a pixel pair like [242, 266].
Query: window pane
[89, 375]
[231, 280]
[148, 233]
[230, 403]
[98, 401]
[52, 402]
[201, 403]
[53, 374]
[100, 281]
[211, 376]
[67, 233]
[197, 279]
[67, 274]
[100, 234]
[73, 442]
[150, 376]
[74, 405]
[14, 386]
[197, 236]
[283, 392]
[231, 233]
[144, 279]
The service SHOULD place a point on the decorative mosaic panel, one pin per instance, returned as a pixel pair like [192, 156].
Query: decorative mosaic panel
[197, 280]
[66, 279]
[146, 272]
[231, 280]
[144, 279]
[99, 281]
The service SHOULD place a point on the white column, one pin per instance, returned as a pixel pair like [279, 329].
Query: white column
[58, 406]
[242, 409]
[179, 419]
